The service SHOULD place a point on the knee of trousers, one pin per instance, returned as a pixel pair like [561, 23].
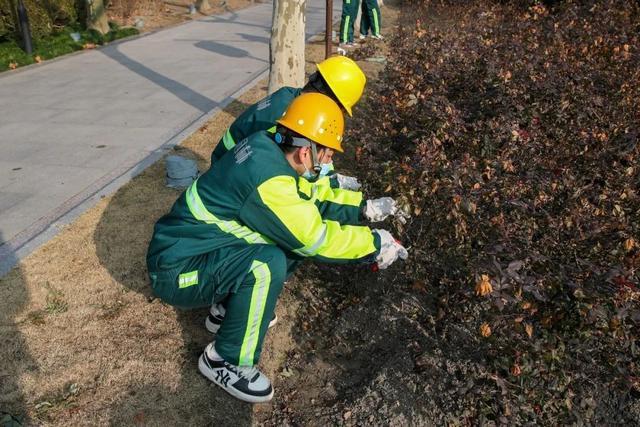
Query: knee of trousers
[276, 261]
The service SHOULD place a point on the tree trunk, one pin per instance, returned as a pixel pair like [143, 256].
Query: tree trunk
[203, 6]
[97, 16]
[286, 47]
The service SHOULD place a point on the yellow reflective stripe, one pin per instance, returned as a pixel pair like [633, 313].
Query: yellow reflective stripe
[272, 129]
[262, 276]
[200, 212]
[188, 279]
[376, 25]
[347, 241]
[228, 140]
[344, 27]
[302, 219]
[322, 191]
[325, 193]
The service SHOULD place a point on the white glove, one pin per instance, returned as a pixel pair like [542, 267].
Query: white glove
[390, 250]
[348, 182]
[378, 210]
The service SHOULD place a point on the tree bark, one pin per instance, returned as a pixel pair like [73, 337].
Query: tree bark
[286, 47]
[203, 6]
[97, 16]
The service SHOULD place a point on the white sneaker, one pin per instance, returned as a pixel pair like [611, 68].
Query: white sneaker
[362, 37]
[346, 45]
[216, 316]
[377, 36]
[243, 382]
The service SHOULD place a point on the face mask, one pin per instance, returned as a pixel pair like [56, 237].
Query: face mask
[325, 169]
[308, 175]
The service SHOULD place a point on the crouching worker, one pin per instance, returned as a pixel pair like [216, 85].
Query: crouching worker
[236, 233]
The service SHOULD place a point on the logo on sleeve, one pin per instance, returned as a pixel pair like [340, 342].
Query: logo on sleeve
[242, 151]
[265, 103]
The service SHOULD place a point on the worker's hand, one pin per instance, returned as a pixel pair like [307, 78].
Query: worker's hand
[348, 182]
[377, 210]
[390, 250]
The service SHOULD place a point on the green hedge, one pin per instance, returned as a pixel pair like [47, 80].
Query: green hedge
[44, 16]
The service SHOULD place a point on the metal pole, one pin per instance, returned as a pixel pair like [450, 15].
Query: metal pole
[23, 17]
[327, 39]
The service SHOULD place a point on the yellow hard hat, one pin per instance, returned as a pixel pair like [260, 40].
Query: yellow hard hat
[345, 78]
[316, 117]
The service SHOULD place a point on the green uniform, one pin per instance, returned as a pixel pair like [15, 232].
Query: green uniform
[349, 15]
[234, 232]
[260, 116]
[371, 18]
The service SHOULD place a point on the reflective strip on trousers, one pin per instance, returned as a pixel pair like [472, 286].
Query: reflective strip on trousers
[345, 28]
[200, 212]
[376, 24]
[262, 276]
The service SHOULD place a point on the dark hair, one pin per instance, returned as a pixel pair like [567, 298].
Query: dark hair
[317, 83]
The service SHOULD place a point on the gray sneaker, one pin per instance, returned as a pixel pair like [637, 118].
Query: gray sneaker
[243, 382]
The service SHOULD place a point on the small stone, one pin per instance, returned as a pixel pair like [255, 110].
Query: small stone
[346, 415]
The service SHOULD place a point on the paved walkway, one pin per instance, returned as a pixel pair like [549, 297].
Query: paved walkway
[79, 127]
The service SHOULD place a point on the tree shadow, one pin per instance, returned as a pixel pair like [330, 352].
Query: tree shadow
[180, 90]
[253, 38]
[14, 351]
[121, 238]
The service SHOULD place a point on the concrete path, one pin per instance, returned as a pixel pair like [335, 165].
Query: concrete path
[74, 129]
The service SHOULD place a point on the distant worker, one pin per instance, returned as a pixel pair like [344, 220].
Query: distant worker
[236, 233]
[371, 19]
[349, 15]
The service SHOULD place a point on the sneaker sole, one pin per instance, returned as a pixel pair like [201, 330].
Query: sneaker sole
[213, 328]
[204, 370]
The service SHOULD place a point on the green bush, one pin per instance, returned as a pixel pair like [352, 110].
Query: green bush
[45, 16]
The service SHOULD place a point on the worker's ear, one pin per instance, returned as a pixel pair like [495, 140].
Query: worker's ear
[303, 152]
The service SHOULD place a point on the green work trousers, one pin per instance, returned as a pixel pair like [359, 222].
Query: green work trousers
[349, 15]
[371, 18]
[247, 278]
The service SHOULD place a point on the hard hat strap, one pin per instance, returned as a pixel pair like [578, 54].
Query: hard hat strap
[303, 142]
[314, 158]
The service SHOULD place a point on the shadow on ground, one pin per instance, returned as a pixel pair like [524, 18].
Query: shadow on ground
[14, 352]
[121, 239]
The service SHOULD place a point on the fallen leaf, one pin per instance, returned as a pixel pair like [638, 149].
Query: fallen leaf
[13, 65]
[483, 287]
[38, 59]
[528, 329]
[89, 46]
[629, 244]
[485, 330]
[515, 370]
